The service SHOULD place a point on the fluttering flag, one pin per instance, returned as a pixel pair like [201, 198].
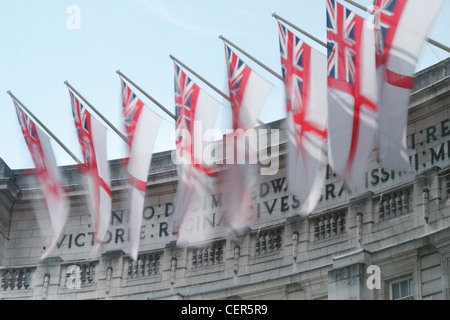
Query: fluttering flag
[352, 92]
[141, 125]
[92, 137]
[48, 176]
[248, 93]
[304, 70]
[196, 113]
[401, 30]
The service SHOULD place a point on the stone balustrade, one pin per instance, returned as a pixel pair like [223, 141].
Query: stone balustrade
[330, 225]
[16, 278]
[268, 241]
[395, 204]
[211, 254]
[146, 265]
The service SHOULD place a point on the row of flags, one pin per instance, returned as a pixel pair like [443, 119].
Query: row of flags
[340, 108]
[367, 79]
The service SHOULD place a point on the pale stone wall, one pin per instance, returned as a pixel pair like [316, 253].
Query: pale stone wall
[396, 221]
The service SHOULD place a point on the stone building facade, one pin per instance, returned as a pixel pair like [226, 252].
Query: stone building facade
[388, 240]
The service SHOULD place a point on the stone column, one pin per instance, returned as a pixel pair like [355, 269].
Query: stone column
[46, 279]
[9, 193]
[110, 273]
[348, 279]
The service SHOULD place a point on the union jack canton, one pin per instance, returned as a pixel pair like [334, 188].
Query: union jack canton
[238, 75]
[82, 124]
[131, 109]
[186, 95]
[33, 142]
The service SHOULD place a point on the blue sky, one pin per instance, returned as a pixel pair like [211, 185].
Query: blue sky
[39, 52]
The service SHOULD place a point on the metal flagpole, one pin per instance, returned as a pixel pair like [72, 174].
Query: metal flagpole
[433, 42]
[45, 128]
[438, 44]
[200, 77]
[252, 58]
[360, 6]
[147, 95]
[323, 44]
[205, 81]
[97, 112]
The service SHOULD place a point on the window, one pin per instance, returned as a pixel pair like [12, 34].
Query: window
[402, 289]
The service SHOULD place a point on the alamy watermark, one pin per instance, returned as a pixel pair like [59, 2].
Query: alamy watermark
[73, 22]
[238, 146]
[73, 277]
[374, 280]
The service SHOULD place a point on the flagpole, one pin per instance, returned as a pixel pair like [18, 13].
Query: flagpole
[200, 77]
[438, 44]
[97, 112]
[205, 81]
[45, 128]
[359, 6]
[147, 95]
[252, 58]
[323, 44]
[433, 42]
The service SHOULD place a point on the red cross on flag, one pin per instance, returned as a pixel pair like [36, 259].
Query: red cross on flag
[92, 137]
[352, 92]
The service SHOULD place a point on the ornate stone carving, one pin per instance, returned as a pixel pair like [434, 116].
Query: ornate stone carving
[45, 286]
[294, 245]
[109, 273]
[426, 203]
[237, 254]
[359, 225]
[173, 269]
